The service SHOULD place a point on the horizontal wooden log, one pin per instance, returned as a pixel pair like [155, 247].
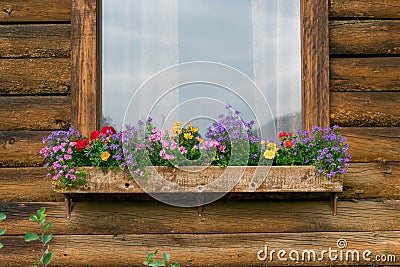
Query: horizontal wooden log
[35, 10]
[365, 37]
[364, 180]
[21, 149]
[35, 112]
[50, 76]
[365, 74]
[30, 40]
[365, 109]
[373, 144]
[387, 9]
[251, 216]
[26, 184]
[372, 180]
[211, 250]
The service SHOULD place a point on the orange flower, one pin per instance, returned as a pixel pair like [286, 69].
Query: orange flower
[105, 155]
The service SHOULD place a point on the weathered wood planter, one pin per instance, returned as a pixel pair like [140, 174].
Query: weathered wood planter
[272, 179]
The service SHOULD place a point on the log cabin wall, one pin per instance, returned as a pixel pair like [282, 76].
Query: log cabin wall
[35, 84]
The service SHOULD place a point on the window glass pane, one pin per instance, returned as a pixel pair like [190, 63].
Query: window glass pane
[260, 39]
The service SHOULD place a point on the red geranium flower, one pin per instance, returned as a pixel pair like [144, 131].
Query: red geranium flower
[289, 143]
[81, 144]
[95, 135]
[108, 130]
[282, 134]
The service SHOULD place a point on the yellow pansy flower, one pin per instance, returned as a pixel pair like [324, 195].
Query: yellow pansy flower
[272, 146]
[199, 139]
[177, 124]
[105, 155]
[269, 154]
[194, 129]
[188, 136]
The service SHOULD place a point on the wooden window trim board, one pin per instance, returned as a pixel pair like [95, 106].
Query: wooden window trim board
[86, 64]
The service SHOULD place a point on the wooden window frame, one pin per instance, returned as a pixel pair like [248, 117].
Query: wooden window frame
[86, 64]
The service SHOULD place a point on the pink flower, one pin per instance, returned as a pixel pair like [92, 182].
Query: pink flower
[221, 148]
[45, 151]
[56, 165]
[67, 157]
[182, 149]
[172, 145]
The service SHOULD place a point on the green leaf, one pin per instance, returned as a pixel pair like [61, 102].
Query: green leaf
[1, 246]
[39, 212]
[166, 256]
[42, 218]
[47, 226]
[31, 237]
[157, 264]
[175, 264]
[2, 217]
[47, 238]
[33, 218]
[37, 262]
[151, 255]
[146, 263]
[41, 215]
[2, 232]
[47, 258]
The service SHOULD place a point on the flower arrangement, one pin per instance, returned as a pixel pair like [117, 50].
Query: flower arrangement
[228, 141]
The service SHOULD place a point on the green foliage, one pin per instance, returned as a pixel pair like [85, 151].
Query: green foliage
[43, 237]
[2, 218]
[150, 261]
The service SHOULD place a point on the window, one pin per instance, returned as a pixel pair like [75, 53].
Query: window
[258, 38]
[86, 61]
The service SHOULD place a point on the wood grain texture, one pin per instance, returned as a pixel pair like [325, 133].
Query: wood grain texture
[35, 40]
[85, 80]
[21, 149]
[373, 144]
[35, 10]
[26, 184]
[199, 250]
[251, 216]
[365, 109]
[372, 180]
[212, 179]
[388, 9]
[365, 37]
[50, 76]
[315, 59]
[365, 74]
[35, 112]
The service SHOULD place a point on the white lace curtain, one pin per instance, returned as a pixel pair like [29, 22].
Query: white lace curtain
[142, 37]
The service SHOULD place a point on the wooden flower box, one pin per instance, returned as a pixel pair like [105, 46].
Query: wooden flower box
[196, 180]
